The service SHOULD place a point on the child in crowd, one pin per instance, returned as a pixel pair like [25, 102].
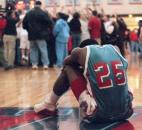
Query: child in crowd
[24, 42]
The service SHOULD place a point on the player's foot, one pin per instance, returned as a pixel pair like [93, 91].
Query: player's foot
[44, 108]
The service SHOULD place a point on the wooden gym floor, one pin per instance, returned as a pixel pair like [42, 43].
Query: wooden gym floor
[21, 88]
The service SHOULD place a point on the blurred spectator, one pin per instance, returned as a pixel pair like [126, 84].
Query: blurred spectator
[127, 39]
[9, 38]
[61, 32]
[134, 41]
[24, 42]
[107, 30]
[10, 6]
[84, 27]
[94, 26]
[140, 31]
[111, 32]
[75, 29]
[2, 27]
[36, 22]
[51, 44]
[140, 37]
[2, 24]
[122, 28]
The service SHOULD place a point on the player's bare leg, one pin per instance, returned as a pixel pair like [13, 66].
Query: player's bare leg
[68, 77]
[60, 87]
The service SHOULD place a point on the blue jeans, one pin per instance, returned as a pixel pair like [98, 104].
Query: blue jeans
[76, 37]
[140, 47]
[134, 46]
[35, 46]
[61, 52]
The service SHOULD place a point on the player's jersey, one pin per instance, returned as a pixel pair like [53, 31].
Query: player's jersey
[105, 69]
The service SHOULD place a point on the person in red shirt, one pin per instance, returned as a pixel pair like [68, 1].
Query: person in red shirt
[94, 26]
[2, 24]
[134, 41]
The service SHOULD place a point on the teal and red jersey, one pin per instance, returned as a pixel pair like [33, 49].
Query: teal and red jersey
[105, 71]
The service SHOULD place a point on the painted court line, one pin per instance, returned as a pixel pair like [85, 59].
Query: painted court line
[20, 112]
[29, 123]
[106, 127]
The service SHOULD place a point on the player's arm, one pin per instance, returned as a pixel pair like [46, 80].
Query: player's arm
[117, 49]
[73, 58]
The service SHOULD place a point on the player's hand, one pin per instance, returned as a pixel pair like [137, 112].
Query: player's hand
[87, 103]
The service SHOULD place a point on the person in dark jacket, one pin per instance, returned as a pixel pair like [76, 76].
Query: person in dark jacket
[122, 28]
[75, 28]
[37, 22]
[51, 45]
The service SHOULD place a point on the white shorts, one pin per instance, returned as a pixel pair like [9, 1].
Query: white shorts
[24, 42]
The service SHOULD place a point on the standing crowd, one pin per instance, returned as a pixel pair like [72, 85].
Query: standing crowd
[36, 38]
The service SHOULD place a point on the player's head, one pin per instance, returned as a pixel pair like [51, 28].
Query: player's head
[88, 42]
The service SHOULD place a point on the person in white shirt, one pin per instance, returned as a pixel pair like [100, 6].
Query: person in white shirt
[84, 27]
[24, 42]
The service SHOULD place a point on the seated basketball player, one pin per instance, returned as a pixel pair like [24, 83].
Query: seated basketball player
[102, 89]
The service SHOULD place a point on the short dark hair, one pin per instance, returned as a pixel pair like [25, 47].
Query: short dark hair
[88, 42]
[38, 2]
[63, 16]
[94, 12]
[76, 15]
